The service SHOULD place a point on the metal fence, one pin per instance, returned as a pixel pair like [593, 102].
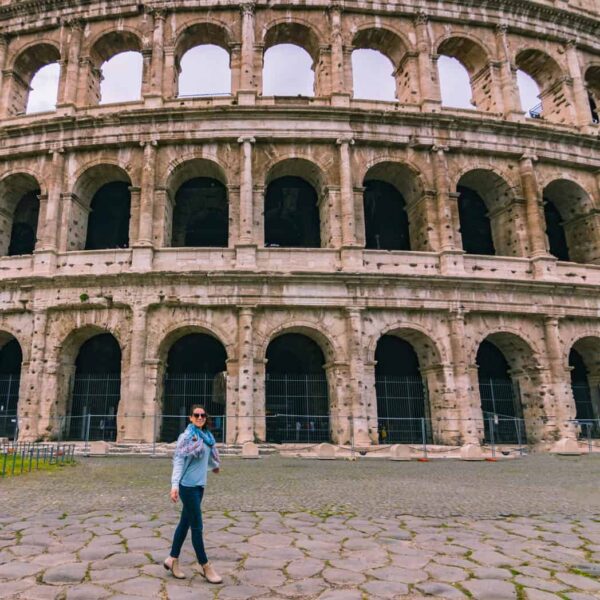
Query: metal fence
[500, 402]
[21, 457]
[9, 396]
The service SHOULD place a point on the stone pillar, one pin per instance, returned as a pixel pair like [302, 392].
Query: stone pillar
[6, 94]
[84, 70]
[357, 397]
[247, 88]
[3, 55]
[144, 237]
[50, 219]
[131, 405]
[451, 258]
[170, 74]
[338, 374]
[246, 246]
[508, 80]
[245, 404]
[580, 96]
[340, 94]
[559, 407]
[535, 219]
[428, 75]
[351, 253]
[29, 407]
[157, 65]
[69, 76]
[468, 407]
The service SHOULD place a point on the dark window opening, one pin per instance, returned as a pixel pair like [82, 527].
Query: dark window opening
[292, 214]
[100, 354]
[582, 394]
[24, 227]
[402, 405]
[195, 374]
[297, 401]
[108, 223]
[594, 109]
[555, 231]
[475, 226]
[386, 220]
[11, 358]
[491, 362]
[201, 214]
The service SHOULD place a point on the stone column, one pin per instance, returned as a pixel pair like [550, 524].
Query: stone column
[451, 257]
[51, 218]
[144, 237]
[351, 253]
[245, 404]
[357, 397]
[246, 246]
[69, 76]
[6, 94]
[131, 405]
[30, 407]
[170, 74]
[340, 95]
[3, 55]
[559, 407]
[535, 219]
[247, 88]
[468, 407]
[428, 75]
[508, 80]
[580, 96]
[157, 65]
[338, 374]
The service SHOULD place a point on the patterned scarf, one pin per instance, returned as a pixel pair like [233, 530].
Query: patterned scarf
[191, 443]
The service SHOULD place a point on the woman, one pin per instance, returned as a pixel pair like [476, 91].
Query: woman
[195, 453]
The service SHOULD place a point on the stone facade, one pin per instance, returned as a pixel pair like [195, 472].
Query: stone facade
[439, 298]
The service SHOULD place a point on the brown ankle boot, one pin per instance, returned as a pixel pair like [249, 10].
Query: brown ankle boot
[208, 571]
[172, 564]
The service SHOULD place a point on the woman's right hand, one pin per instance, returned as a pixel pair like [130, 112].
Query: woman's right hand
[174, 495]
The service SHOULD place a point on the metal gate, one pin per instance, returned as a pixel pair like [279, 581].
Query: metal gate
[402, 410]
[9, 397]
[94, 404]
[297, 408]
[501, 407]
[182, 391]
[585, 411]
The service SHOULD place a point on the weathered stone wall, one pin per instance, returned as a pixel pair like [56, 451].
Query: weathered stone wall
[441, 300]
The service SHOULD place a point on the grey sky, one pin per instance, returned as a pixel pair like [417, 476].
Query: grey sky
[287, 72]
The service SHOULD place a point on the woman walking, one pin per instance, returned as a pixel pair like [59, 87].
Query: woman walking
[195, 453]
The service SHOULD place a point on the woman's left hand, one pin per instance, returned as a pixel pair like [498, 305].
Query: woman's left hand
[216, 470]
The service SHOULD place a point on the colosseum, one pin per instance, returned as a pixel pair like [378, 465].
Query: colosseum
[312, 266]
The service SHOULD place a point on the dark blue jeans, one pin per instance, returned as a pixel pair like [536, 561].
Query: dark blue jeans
[191, 518]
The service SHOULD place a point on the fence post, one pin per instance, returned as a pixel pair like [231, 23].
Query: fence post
[518, 424]
[492, 442]
[424, 438]
[352, 450]
[88, 422]
[154, 434]
[589, 437]
[4, 464]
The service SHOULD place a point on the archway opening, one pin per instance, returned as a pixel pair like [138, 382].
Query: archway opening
[475, 228]
[23, 235]
[201, 214]
[557, 240]
[108, 222]
[373, 75]
[529, 94]
[402, 404]
[121, 79]
[584, 363]
[288, 71]
[386, 219]
[11, 358]
[500, 397]
[195, 374]
[297, 398]
[205, 71]
[96, 390]
[455, 85]
[592, 81]
[292, 214]
[43, 94]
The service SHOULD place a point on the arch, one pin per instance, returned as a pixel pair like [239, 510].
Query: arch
[194, 374]
[95, 387]
[296, 390]
[105, 47]
[27, 63]
[508, 383]
[475, 59]
[592, 81]
[199, 39]
[92, 176]
[298, 166]
[549, 77]
[43, 93]
[19, 210]
[11, 359]
[390, 43]
[294, 32]
[584, 365]
[184, 168]
[570, 222]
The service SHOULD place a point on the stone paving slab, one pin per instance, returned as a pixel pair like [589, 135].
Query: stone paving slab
[312, 551]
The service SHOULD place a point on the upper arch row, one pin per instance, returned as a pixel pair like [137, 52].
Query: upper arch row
[566, 78]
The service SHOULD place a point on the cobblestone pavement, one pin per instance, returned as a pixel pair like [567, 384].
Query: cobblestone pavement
[288, 528]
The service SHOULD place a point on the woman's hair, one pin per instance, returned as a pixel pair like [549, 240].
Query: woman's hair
[207, 421]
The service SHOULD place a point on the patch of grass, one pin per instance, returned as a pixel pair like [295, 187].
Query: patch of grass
[577, 571]
[521, 595]
[13, 466]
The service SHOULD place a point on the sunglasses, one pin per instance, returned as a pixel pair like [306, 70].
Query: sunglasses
[199, 415]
